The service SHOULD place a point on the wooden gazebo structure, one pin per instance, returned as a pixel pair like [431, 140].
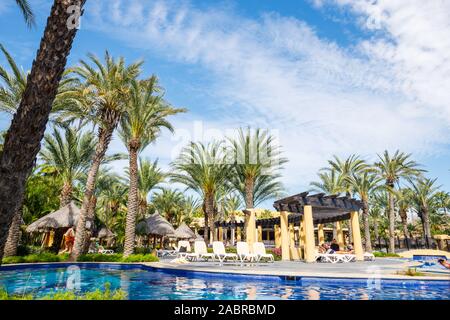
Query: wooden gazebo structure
[302, 211]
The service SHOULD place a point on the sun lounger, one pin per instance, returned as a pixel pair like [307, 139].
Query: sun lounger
[104, 251]
[200, 252]
[260, 250]
[243, 252]
[187, 245]
[369, 256]
[220, 254]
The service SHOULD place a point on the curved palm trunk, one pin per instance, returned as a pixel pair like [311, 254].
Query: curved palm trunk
[133, 203]
[90, 219]
[104, 139]
[66, 194]
[365, 213]
[426, 225]
[404, 217]
[391, 218]
[13, 235]
[22, 142]
[209, 208]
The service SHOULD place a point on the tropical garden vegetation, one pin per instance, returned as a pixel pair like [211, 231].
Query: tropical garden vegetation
[82, 107]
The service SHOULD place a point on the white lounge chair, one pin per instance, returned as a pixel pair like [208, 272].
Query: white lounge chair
[243, 252]
[260, 250]
[105, 251]
[220, 254]
[200, 252]
[187, 245]
[330, 257]
[369, 256]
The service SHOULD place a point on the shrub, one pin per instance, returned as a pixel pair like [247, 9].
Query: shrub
[380, 254]
[98, 257]
[140, 258]
[34, 258]
[105, 294]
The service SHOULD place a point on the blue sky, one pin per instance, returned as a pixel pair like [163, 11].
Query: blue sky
[327, 76]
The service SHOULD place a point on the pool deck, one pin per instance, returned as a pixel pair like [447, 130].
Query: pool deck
[385, 268]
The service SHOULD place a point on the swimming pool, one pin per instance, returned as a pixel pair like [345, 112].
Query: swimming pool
[142, 283]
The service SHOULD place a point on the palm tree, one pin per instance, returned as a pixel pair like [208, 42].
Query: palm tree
[392, 169]
[330, 182]
[353, 165]
[364, 184]
[169, 203]
[112, 197]
[2, 139]
[27, 13]
[203, 169]
[257, 162]
[149, 177]
[22, 142]
[68, 156]
[346, 168]
[424, 196]
[107, 86]
[141, 124]
[404, 199]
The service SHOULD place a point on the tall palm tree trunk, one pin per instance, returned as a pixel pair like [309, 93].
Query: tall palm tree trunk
[13, 235]
[66, 194]
[23, 138]
[391, 218]
[90, 219]
[104, 139]
[249, 186]
[365, 213]
[209, 207]
[133, 201]
[426, 226]
[404, 217]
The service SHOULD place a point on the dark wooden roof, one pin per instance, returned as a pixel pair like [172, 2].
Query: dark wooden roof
[326, 209]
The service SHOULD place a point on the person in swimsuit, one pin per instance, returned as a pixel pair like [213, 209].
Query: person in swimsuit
[444, 263]
[69, 240]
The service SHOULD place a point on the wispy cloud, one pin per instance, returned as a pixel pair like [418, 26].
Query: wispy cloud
[275, 72]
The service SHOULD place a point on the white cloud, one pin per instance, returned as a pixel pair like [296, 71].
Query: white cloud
[275, 72]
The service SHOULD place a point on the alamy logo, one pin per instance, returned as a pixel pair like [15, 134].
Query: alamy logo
[73, 282]
[74, 20]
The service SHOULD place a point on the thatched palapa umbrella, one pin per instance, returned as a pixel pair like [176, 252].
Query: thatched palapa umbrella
[62, 218]
[184, 232]
[155, 226]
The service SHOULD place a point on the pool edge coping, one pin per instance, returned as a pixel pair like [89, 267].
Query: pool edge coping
[257, 273]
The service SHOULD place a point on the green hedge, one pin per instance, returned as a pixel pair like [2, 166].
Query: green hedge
[35, 258]
[105, 294]
[117, 258]
[97, 257]
[379, 254]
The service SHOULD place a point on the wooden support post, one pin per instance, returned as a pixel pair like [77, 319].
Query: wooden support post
[357, 242]
[284, 235]
[310, 255]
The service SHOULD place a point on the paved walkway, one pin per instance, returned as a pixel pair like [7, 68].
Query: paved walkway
[384, 268]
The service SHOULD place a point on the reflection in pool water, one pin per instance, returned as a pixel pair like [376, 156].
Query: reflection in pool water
[148, 283]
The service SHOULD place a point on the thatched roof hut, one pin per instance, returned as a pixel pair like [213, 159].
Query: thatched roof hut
[64, 217]
[184, 232]
[155, 225]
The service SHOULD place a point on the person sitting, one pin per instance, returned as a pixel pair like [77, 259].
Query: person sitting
[322, 248]
[334, 245]
[444, 263]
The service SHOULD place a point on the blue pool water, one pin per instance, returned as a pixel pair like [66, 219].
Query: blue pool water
[140, 283]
